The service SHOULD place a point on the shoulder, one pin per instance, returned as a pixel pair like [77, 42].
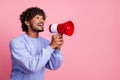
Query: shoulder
[16, 41]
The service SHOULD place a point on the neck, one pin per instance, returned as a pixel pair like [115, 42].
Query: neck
[33, 34]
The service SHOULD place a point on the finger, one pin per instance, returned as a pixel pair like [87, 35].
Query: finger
[59, 40]
[59, 35]
[59, 43]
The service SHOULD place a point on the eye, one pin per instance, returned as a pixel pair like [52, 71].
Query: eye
[37, 17]
[42, 17]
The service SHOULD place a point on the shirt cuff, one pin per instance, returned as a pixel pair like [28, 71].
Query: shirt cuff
[50, 49]
[57, 51]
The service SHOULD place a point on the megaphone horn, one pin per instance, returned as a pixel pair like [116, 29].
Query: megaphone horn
[63, 28]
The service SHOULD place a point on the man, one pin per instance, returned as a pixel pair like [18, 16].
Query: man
[30, 53]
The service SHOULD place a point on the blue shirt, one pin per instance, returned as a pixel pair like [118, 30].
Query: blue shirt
[30, 57]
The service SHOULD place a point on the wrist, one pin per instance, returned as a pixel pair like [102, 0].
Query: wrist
[52, 46]
[57, 48]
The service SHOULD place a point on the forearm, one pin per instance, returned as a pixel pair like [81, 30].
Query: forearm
[31, 63]
[55, 60]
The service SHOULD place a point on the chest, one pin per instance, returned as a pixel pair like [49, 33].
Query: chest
[35, 48]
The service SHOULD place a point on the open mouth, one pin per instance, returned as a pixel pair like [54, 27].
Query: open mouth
[41, 24]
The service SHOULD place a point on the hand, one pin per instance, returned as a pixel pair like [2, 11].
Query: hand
[57, 41]
[59, 46]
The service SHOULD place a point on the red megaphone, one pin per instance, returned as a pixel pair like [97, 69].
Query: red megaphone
[63, 28]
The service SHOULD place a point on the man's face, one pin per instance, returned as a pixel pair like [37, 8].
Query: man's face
[37, 23]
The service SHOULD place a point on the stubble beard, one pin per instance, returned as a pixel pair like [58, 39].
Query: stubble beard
[35, 30]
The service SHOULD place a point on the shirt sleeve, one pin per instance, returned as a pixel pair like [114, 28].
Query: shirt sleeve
[30, 63]
[55, 60]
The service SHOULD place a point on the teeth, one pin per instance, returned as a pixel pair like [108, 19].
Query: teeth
[41, 24]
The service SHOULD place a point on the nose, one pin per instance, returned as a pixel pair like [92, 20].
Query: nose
[41, 21]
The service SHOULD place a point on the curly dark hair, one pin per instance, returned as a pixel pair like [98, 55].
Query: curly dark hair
[28, 14]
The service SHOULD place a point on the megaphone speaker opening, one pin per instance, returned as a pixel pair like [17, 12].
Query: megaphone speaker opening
[66, 28]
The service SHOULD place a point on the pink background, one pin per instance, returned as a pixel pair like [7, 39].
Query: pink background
[91, 53]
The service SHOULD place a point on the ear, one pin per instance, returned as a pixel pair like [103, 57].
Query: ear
[27, 23]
